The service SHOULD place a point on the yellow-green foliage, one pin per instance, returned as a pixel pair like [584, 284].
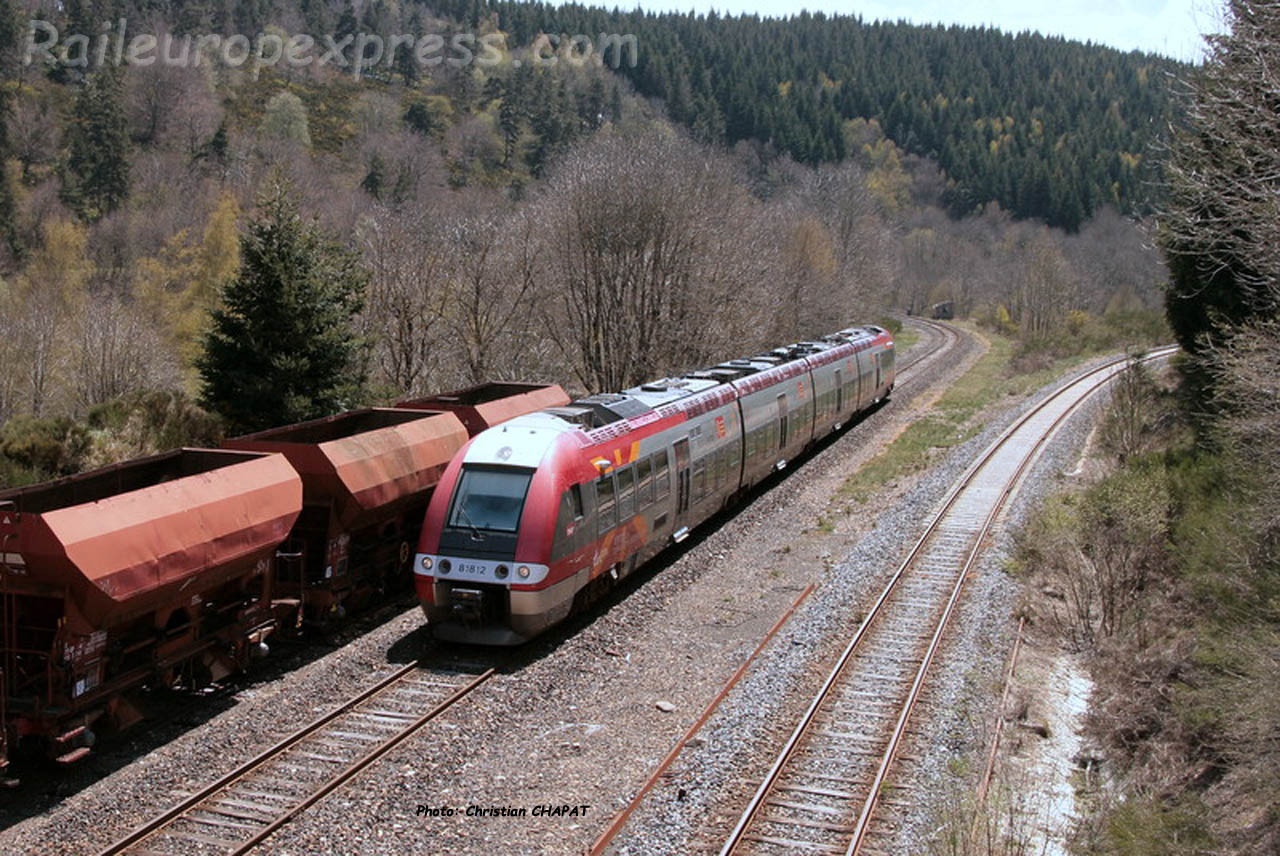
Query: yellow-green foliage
[179, 286]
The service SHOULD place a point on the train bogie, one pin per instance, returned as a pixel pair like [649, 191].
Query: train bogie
[155, 571]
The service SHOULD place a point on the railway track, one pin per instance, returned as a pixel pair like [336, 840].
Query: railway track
[948, 337]
[822, 792]
[246, 806]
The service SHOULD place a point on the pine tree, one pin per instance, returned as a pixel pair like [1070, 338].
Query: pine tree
[375, 179]
[95, 176]
[1219, 231]
[509, 116]
[8, 205]
[282, 346]
[418, 118]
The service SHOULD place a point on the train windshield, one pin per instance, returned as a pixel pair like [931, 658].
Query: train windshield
[489, 499]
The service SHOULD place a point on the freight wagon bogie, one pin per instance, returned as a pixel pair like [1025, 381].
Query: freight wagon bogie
[545, 512]
[366, 476]
[173, 571]
[155, 573]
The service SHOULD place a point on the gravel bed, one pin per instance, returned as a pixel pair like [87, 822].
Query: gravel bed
[570, 720]
[700, 801]
[962, 701]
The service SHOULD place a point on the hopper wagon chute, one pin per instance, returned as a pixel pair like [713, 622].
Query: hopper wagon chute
[155, 571]
[366, 476]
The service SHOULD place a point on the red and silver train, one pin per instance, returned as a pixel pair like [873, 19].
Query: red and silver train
[540, 513]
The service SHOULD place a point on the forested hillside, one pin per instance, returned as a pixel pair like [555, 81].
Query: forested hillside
[455, 211]
[1049, 128]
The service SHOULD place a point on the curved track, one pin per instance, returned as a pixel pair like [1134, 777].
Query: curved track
[823, 790]
[947, 337]
[243, 808]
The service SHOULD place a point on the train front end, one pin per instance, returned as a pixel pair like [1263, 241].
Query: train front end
[484, 570]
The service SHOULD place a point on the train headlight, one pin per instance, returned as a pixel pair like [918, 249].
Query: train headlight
[427, 563]
[523, 571]
[501, 572]
[445, 566]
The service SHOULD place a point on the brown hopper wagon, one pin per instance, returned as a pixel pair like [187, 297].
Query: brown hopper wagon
[366, 477]
[170, 570]
[487, 405]
[155, 571]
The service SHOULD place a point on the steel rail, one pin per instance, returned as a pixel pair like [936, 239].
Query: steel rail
[620, 820]
[363, 764]
[988, 770]
[1107, 371]
[947, 338]
[163, 821]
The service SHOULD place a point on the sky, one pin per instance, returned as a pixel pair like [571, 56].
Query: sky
[1169, 27]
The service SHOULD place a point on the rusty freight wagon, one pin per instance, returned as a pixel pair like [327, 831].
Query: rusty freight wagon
[366, 478]
[155, 571]
[486, 405]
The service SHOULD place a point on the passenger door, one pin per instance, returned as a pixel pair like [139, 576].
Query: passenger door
[683, 480]
[782, 422]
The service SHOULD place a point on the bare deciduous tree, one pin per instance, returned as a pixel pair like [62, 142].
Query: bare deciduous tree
[118, 353]
[404, 300]
[647, 240]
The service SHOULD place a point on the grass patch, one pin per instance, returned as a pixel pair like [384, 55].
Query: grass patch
[906, 338]
[957, 415]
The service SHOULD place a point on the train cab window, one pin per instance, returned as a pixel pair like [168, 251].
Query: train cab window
[605, 503]
[626, 493]
[574, 497]
[490, 499]
[662, 475]
[644, 483]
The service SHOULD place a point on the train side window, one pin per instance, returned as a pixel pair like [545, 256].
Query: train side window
[626, 493]
[569, 534]
[605, 503]
[644, 483]
[662, 474]
[700, 479]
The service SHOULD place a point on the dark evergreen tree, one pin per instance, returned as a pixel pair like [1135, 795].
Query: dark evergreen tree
[375, 179]
[8, 206]
[509, 116]
[1219, 229]
[215, 148]
[418, 119]
[347, 24]
[282, 347]
[615, 103]
[95, 175]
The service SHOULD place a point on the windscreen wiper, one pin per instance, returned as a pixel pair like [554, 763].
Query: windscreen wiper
[476, 534]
